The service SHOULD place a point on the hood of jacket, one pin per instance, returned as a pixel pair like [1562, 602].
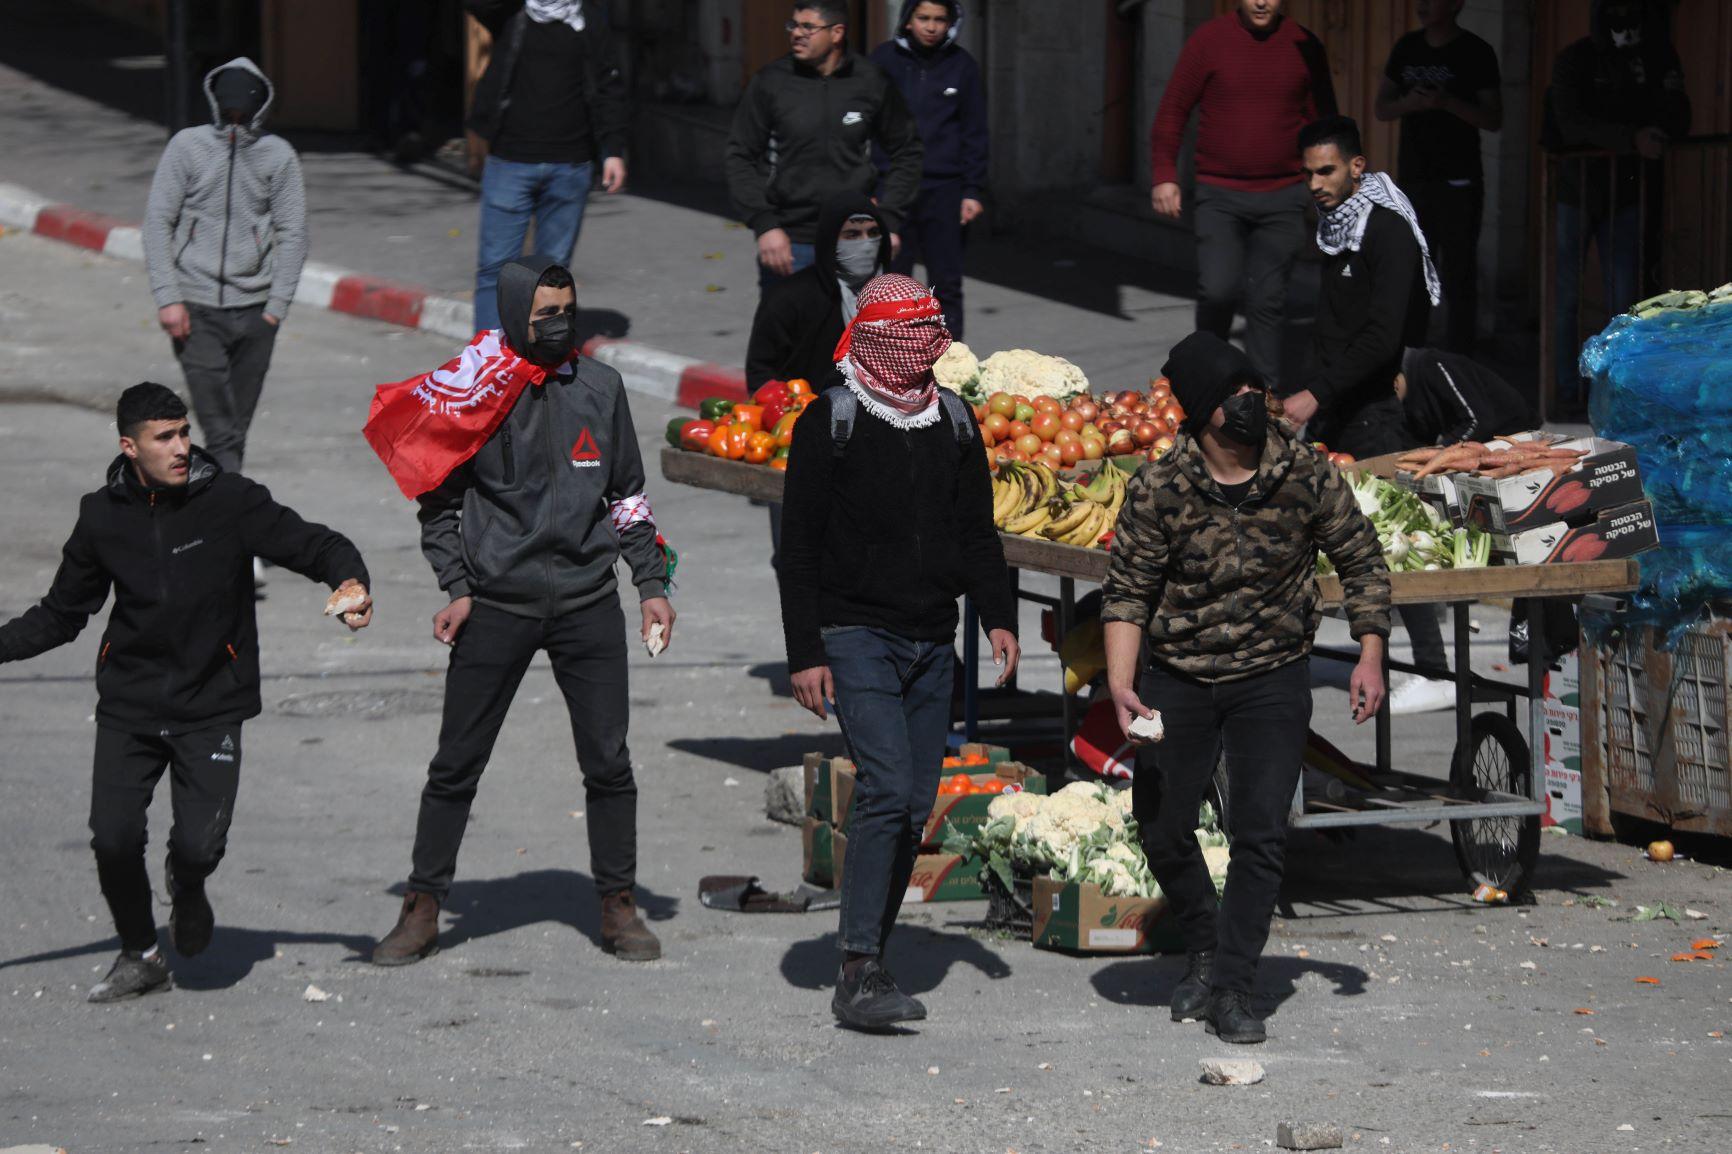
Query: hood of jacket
[1424, 404]
[257, 124]
[1653, 22]
[123, 481]
[517, 281]
[831, 218]
[1272, 468]
[906, 42]
[1205, 370]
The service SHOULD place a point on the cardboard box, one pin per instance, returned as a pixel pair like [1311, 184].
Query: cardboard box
[1081, 919]
[822, 852]
[1620, 532]
[1604, 479]
[944, 877]
[1563, 681]
[830, 780]
[1563, 736]
[836, 798]
[1563, 798]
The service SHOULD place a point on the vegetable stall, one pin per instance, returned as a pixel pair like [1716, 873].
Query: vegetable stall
[1494, 796]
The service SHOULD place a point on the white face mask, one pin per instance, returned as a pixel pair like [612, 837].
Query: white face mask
[857, 260]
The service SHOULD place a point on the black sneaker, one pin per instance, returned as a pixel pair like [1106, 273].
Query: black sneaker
[871, 1000]
[1230, 1019]
[132, 976]
[1191, 995]
[191, 923]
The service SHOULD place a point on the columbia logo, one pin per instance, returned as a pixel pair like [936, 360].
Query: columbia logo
[193, 544]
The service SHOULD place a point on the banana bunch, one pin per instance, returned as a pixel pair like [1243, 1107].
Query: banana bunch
[1021, 497]
[1028, 500]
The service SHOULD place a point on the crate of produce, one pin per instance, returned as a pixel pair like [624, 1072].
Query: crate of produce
[1655, 726]
[1078, 917]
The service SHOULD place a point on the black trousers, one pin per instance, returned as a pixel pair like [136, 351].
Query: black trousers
[1450, 217]
[493, 651]
[1247, 243]
[206, 776]
[225, 357]
[1261, 724]
[933, 235]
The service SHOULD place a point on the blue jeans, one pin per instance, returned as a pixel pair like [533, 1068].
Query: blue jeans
[893, 703]
[513, 194]
[804, 256]
[1617, 238]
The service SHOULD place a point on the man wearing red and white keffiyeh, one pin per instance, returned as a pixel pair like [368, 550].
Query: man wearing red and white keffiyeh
[887, 351]
[883, 529]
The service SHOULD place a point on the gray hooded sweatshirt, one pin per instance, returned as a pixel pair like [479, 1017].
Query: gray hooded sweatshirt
[227, 221]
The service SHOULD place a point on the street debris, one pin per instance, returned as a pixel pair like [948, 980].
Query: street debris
[1232, 1072]
[1647, 981]
[314, 994]
[1308, 1136]
[664, 1120]
[1661, 851]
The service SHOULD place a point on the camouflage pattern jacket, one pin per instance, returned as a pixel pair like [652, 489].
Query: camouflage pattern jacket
[1226, 592]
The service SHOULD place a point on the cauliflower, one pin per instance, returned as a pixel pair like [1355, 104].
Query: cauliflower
[1018, 805]
[958, 369]
[1125, 852]
[1115, 879]
[1216, 858]
[1031, 374]
[1121, 801]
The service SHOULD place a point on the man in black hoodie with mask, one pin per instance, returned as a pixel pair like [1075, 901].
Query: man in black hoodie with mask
[178, 669]
[523, 533]
[800, 319]
[940, 80]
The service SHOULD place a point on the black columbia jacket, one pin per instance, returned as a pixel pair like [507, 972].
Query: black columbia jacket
[181, 650]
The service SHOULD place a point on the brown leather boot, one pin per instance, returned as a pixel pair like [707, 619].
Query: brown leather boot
[415, 936]
[623, 933]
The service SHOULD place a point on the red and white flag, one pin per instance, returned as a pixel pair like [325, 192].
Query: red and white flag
[424, 428]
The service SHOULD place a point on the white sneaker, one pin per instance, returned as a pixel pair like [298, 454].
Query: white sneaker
[1421, 695]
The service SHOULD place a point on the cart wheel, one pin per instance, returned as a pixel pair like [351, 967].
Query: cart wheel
[1498, 851]
[1217, 796]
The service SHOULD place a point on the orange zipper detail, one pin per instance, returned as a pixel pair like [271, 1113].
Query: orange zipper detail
[233, 656]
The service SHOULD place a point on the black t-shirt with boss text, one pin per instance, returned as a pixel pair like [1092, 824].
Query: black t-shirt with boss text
[1438, 145]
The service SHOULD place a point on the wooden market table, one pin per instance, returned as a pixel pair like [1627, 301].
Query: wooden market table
[1495, 794]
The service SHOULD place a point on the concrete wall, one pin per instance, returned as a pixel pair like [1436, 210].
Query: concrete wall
[1043, 81]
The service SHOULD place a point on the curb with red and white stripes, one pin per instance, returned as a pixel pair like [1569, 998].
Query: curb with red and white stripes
[650, 371]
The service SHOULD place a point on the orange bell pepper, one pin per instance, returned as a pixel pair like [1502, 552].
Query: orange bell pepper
[780, 464]
[752, 415]
[759, 447]
[729, 441]
[800, 387]
[784, 431]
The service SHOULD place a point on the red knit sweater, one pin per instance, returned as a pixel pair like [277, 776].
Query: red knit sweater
[1256, 93]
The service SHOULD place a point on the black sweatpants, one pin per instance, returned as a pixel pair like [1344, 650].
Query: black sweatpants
[225, 357]
[492, 653]
[205, 777]
[1261, 723]
[932, 234]
[1450, 216]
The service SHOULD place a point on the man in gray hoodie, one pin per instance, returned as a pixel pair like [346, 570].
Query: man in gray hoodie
[225, 235]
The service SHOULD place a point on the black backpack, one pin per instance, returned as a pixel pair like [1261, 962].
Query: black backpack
[845, 407]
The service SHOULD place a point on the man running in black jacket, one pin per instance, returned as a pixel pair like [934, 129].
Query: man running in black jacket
[805, 130]
[178, 668]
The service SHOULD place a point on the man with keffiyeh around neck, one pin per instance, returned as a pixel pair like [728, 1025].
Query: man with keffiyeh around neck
[887, 520]
[1378, 286]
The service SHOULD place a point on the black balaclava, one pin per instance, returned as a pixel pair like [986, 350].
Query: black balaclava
[547, 342]
[238, 90]
[1204, 371]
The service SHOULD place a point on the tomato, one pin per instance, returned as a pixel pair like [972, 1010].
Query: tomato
[752, 415]
[959, 784]
[1024, 412]
[695, 435]
[800, 387]
[759, 447]
[1002, 403]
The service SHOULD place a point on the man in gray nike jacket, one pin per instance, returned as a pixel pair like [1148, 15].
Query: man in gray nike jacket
[225, 235]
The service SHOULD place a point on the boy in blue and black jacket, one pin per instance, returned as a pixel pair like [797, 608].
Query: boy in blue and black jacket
[940, 81]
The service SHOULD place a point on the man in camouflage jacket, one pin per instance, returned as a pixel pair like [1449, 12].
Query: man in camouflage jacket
[1212, 579]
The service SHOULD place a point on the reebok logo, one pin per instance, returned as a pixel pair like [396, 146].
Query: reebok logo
[849, 118]
[193, 544]
[584, 454]
[228, 744]
[1347, 270]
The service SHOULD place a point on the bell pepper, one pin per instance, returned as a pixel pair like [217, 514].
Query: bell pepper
[674, 427]
[715, 408]
[695, 435]
[774, 409]
[769, 391]
[752, 415]
[800, 387]
[729, 441]
[784, 430]
[779, 463]
[759, 446]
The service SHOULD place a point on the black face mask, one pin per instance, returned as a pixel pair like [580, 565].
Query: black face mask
[551, 339]
[1245, 418]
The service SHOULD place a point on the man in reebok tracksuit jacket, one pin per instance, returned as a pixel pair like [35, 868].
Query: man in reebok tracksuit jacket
[523, 531]
[177, 670]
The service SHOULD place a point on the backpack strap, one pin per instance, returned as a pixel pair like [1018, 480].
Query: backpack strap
[845, 408]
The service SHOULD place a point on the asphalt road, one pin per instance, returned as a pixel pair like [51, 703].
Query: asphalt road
[1400, 1011]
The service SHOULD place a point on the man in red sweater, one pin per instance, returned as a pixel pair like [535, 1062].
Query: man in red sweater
[1258, 78]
